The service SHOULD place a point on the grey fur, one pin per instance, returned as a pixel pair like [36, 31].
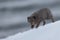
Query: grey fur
[40, 15]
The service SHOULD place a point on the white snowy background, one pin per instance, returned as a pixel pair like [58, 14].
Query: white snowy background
[14, 13]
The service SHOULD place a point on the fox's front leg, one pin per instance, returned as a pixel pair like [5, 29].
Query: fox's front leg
[37, 24]
[32, 26]
[44, 22]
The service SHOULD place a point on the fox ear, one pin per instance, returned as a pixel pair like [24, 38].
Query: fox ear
[34, 17]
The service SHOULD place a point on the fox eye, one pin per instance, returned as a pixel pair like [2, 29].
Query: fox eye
[34, 17]
[28, 18]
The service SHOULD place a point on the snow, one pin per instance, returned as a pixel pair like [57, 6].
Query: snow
[50, 31]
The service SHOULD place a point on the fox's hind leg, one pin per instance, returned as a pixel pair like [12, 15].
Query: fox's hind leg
[52, 19]
[50, 16]
[44, 22]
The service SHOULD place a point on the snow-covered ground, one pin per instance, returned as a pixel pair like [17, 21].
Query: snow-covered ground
[48, 32]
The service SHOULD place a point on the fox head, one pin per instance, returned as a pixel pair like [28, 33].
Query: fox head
[32, 20]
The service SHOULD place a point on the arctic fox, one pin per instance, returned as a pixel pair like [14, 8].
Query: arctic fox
[40, 15]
